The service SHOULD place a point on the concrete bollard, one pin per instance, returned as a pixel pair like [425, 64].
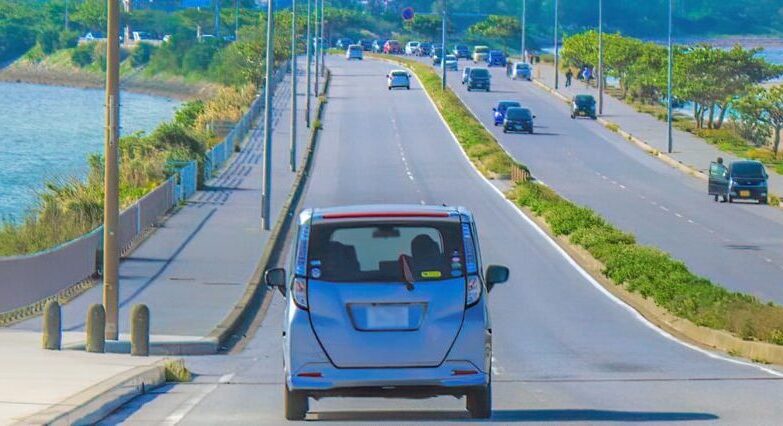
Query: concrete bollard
[52, 326]
[140, 330]
[96, 329]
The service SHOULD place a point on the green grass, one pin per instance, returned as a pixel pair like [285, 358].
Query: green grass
[645, 270]
[177, 372]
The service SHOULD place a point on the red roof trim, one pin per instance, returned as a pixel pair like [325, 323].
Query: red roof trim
[359, 215]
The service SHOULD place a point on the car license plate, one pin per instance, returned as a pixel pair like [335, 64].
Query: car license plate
[388, 317]
[744, 193]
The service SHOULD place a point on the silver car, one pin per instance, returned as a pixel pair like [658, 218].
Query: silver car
[387, 301]
[354, 51]
[398, 78]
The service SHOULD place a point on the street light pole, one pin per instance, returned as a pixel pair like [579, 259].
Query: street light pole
[669, 82]
[293, 86]
[557, 59]
[308, 42]
[600, 57]
[323, 49]
[443, 41]
[318, 41]
[523, 48]
[217, 18]
[66, 15]
[266, 197]
[111, 199]
[236, 20]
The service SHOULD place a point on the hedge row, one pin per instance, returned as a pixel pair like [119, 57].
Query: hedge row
[645, 270]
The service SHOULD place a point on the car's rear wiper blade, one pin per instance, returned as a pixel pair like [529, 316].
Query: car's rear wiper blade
[407, 272]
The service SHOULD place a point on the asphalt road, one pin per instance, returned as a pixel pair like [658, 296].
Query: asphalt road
[739, 246]
[564, 351]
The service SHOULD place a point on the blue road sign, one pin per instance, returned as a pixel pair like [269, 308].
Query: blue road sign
[407, 13]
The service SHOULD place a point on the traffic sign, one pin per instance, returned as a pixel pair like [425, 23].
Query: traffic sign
[407, 13]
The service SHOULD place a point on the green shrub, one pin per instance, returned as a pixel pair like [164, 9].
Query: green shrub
[48, 39]
[141, 54]
[81, 56]
[68, 39]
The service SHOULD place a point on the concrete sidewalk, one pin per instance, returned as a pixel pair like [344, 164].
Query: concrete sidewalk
[32, 379]
[688, 149]
[194, 269]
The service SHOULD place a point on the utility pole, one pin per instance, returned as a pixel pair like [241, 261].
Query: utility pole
[523, 48]
[323, 49]
[443, 43]
[600, 57]
[266, 196]
[317, 44]
[669, 83]
[217, 18]
[66, 15]
[236, 20]
[111, 199]
[308, 42]
[557, 52]
[293, 86]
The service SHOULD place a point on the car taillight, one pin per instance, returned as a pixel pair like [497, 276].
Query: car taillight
[473, 293]
[299, 292]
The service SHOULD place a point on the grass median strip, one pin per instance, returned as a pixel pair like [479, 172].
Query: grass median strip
[640, 269]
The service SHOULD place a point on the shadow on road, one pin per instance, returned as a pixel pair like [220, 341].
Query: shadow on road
[506, 416]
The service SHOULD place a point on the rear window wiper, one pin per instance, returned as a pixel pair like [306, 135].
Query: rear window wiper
[407, 272]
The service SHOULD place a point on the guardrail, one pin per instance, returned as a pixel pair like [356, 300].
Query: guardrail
[28, 282]
[220, 153]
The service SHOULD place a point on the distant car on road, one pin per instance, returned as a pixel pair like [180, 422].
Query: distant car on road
[412, 48]
[465, 74]
[354, 51]
[518, 120]
[478, 79]
[425, 49]
[343, 43]
[366, 45]
[500, 110]
[435, 46]
[386, 301]
[521, 71]
[398, 78]
[461, 51]
[583, 106]
[480, 54]
[451, 63]
[437, 55]
[742, 180]
[496, 58]
[392, 47]
[94, 35]
[377, 45]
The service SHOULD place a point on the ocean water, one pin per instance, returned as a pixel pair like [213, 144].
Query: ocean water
[47, 132]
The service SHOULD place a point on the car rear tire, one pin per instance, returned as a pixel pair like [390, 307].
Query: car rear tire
[731, 199]
[479, 402]
[408, 87]
[505, 130]
[296, 404]
[573, 117]
[763, 200]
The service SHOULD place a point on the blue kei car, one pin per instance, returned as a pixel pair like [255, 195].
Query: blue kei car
[499, 111]
[387, 301]
[496, 58]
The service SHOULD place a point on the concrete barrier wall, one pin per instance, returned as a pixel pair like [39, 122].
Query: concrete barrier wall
[28, 279]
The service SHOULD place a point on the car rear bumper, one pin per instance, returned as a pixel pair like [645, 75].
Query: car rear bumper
[347, 381]
[748, 192]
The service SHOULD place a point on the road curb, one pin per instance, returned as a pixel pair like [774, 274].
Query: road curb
[255, 293]
[683, 330]
[98, 401]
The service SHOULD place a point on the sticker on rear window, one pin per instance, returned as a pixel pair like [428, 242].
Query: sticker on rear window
[430, 274]
[315, 273]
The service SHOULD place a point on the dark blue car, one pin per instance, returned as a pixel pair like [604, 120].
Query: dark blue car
[496, 57]
[500, 110]
[742, 180]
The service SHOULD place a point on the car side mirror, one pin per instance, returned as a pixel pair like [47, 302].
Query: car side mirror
[534, 116]
[387, 75]
[275, 277]
[494, 109]
[495, 274]
[409, 75]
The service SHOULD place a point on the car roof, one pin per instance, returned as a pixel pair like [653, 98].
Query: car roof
[398, 72]
[385, 211]
[739, 162]
[506, 102]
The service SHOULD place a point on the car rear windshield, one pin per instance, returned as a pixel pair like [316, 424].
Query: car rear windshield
[379, 252]
[523, 66]
[481, 49]
[399, 74]
[747, 170]
[584, 100]
[518, 114]
[354, 48]
[479, 72]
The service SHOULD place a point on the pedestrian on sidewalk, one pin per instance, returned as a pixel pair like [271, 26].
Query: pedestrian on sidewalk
[720, 164]
[568, 75]
[587, 75]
